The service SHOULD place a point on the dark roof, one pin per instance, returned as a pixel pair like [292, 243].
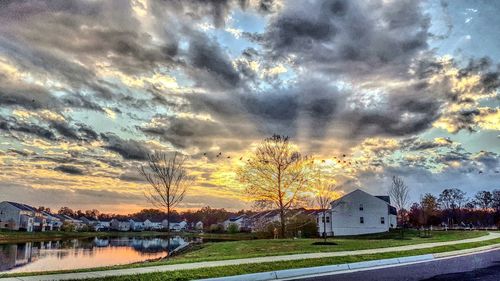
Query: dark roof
[237, 218]
[392, 210]
[23, 207]
[385, 198]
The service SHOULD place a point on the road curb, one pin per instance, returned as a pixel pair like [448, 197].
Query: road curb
[299, 272]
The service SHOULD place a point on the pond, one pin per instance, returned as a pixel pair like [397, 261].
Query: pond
[83, 253]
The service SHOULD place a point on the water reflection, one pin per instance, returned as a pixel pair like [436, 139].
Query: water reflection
[83, 253]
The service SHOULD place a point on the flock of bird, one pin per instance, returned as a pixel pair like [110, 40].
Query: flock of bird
[338, 159]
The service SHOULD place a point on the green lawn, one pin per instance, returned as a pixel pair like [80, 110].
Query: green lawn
[271, 266]
[272, 247]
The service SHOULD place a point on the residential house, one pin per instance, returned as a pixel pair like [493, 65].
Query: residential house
[119, 225]
[103, 225]
[53, 222]
[77, 223]
[174, 226]
[198, 225]
[17, 216]
[357, 213]
[240, 221]
[153, 225]
[136, 225]
[260, 221]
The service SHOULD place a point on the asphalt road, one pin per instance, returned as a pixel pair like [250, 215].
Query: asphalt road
[482, 266]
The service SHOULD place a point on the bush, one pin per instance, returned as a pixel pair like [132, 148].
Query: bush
[67, 227]
[233, 228]
[216, 228]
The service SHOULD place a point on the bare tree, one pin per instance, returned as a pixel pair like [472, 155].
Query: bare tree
[276, 174]
[168, 180]
[400, 195]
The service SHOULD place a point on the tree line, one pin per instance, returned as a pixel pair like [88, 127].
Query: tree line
[453, 208]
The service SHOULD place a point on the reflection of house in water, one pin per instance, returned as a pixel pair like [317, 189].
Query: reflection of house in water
[154, 245]
[12, 256]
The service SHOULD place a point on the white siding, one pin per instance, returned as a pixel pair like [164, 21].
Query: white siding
[357, 213]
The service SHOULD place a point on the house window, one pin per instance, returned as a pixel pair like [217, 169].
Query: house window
[361, 220]
[323, 219]
[361, 207]
[382, 220]
[327, 219]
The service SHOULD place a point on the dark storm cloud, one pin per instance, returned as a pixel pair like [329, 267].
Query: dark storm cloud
[215, 65]
[349, 36]
[72, 170]
[188, 132]
[11, 125]
[405, 115]
[128, 149]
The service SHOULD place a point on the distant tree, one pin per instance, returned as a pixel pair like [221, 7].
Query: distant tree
[94, 213]
[168, 180]
[430, 207]
[66, 211]
[483, 199]
[400, 196]
[326, 192]
[496, 200]
[276, 174]
[452, 199]
[44, 209]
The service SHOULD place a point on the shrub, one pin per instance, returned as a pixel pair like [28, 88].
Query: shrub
[233, 228]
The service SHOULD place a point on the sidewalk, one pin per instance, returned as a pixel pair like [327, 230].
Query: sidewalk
[187, 266]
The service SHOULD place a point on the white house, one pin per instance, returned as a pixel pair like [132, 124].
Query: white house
[120, 225]
[175, 226]
[240, 221]
[152, 225]
[198, 225]
[17, 216]
[136, 225]
[357, 213]
[53, 222]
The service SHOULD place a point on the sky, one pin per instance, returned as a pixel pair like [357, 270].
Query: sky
[89, 88]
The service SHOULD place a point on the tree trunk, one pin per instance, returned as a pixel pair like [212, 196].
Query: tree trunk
[283, 223]
[168, 232]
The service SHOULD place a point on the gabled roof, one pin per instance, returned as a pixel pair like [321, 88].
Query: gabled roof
[21, 206]
[237, 218]
[385, 198]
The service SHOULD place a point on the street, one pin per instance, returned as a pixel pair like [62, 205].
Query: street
[482, 266]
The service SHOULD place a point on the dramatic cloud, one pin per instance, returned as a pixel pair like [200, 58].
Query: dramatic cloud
[89, 88]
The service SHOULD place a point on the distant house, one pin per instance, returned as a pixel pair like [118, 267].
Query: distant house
[152, 225]
[260, 221]
[103, 225]
[119, 225]
[136, 225]
[174, 226]
[198, 225]
[53, 222]
[240, 221]
[357, 213]
[77, 223]
[17, 216]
